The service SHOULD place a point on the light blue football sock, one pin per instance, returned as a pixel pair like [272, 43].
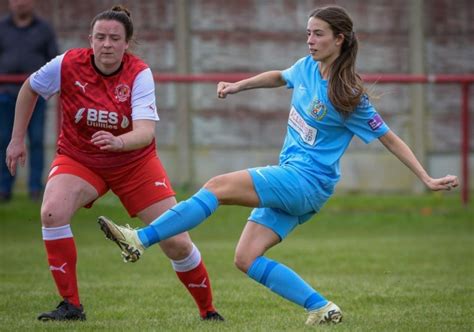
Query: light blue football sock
[180, 218]
[286, 283]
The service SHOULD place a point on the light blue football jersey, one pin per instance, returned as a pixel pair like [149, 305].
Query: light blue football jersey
[318, 135]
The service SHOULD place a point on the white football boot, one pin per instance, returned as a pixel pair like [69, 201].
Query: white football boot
[330, 313]
[125, 237]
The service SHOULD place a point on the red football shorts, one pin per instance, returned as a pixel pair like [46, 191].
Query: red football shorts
[137, 185]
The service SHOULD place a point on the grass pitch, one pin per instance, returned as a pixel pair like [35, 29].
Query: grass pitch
[392, 263]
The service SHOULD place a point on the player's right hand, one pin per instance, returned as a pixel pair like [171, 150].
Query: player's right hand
[16, 152]
[225, 88]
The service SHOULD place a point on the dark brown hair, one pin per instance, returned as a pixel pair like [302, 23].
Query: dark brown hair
[345, 85]
[120, 14]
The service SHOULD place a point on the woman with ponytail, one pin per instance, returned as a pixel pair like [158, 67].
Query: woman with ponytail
[328, 107]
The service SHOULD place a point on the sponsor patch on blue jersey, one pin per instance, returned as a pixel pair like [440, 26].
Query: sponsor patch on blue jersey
[306, 132]
[375, 122]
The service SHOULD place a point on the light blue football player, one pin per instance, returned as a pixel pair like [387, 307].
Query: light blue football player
[328, 107]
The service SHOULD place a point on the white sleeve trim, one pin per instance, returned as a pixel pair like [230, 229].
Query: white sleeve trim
[46, 81]
[143, 97]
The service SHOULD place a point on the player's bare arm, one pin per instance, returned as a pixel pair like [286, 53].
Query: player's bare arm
[142, 135]
[269, 79]
[16, 150]
[399, 148]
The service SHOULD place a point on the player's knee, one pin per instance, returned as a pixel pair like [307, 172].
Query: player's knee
[177, 247]
[214, 184]
[53, 216]
[221, 186]
[243, 261]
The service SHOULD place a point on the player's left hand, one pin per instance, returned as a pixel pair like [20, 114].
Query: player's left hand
[107, 142]
[447, 182]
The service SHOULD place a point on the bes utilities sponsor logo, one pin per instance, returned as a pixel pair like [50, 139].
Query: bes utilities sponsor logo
[101, 119]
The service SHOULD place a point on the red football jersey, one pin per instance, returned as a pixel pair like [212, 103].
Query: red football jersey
[91, 101]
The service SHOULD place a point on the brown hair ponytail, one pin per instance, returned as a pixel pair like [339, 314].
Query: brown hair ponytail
[345, 85]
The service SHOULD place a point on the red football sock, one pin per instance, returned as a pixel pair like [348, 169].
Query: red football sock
[198, 284]
[62, 258]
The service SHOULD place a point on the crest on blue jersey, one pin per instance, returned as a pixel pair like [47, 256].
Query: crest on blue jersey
[318, 110]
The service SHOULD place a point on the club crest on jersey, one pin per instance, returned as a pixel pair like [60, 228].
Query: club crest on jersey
[317, 109]
[122, 92]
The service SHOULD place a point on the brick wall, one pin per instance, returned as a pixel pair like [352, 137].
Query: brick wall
[257, 35]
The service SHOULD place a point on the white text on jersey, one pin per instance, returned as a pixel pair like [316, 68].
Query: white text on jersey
[100, 118]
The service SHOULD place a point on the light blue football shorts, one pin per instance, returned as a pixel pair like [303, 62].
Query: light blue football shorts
[286, 198]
